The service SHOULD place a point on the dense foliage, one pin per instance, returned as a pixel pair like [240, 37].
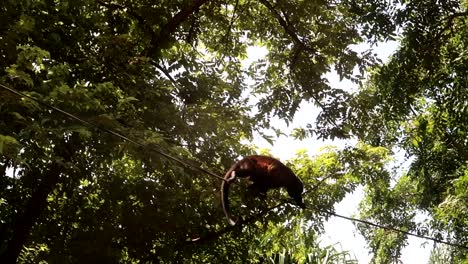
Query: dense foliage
[170, 75]
[418, 103]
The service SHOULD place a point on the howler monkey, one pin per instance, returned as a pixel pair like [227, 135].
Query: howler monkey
[265, 173]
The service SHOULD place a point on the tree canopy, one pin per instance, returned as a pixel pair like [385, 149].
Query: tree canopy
[170, 76]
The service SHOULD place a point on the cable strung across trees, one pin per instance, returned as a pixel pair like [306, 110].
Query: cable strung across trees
[112, 132]
[250, 219]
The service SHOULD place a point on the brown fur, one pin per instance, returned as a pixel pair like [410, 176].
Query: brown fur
[265, 173]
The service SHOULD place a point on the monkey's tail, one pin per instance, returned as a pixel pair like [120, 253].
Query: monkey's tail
[228, 178]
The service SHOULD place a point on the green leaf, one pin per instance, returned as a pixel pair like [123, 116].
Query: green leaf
[6, 141]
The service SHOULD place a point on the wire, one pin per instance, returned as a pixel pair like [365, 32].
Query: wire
[109, 131]
[230, 228]
[215, 175]
[394, 229]
[371, 223]
[374, 224]
[254, 217]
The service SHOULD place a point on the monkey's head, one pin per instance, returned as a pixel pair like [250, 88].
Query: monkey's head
[300, 203]
[295, 191]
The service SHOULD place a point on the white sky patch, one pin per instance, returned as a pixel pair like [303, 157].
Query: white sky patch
[9, 172]
[254, 53]
[337, 231]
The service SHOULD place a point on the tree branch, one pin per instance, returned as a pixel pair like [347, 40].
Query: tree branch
[449, 20]
[286, 26]
[231, 22]
[455, 15]
[131, 12]
[165, 72]
[166, 30]
[174, 23]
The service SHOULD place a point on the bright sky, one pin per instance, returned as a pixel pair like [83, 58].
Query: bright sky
[338, 231]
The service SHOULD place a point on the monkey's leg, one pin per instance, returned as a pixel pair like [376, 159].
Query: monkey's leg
[256, 190]
[231, 177]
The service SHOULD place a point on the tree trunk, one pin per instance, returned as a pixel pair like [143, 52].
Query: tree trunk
[26, 219]
[24, 222]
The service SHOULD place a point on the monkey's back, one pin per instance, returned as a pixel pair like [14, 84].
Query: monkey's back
[265, 173]
[272, 172]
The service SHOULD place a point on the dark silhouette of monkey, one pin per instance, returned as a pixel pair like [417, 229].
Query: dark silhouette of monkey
[265, 173]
